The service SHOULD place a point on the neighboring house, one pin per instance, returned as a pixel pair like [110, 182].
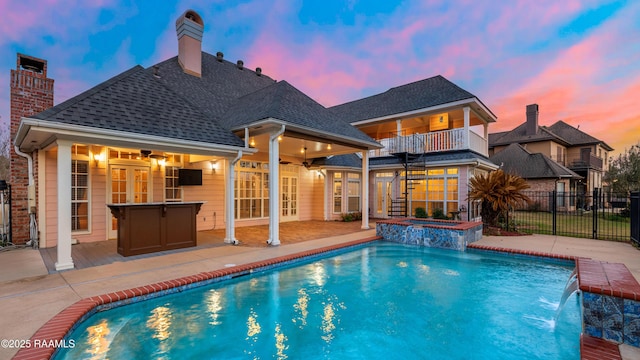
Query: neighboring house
[575, 150]
[542, 173]
[265, 152]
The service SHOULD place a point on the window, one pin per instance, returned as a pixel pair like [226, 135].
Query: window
[80, 188]
[251, 190]
[353, 192]
[439, 191]
[172, 192]
[337, 192]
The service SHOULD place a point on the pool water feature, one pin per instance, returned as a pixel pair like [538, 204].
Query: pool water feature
[446, 234]
[402, 301]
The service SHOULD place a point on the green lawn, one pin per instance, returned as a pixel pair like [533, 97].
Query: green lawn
[610, 227]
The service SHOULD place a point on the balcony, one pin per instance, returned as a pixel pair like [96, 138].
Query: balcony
[438, 141]
[586, 161]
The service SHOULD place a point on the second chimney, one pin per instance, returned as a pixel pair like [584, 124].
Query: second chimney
[532, 119]
[189, 28]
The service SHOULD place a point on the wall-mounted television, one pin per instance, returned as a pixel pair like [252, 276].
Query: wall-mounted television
[188, 177]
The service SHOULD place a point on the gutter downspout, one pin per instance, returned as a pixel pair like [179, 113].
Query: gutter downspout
[33, 225]
[230, 237]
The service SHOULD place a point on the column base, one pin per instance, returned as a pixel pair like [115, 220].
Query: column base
[64, 265]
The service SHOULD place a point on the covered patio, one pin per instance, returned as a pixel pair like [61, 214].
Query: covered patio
[92, 254]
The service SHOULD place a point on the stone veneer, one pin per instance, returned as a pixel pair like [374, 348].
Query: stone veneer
[446, 234]
[610, 301]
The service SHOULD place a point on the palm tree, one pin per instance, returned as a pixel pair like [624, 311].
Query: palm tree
[498, 192]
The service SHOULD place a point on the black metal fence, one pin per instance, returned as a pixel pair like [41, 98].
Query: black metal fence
[598, 215]
[635, 218]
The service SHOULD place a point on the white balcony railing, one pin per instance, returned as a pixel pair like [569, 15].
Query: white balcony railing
[437, 141]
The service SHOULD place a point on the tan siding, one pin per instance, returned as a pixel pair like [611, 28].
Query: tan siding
[306, 194]
[211, 214]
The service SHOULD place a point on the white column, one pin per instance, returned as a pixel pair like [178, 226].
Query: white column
[274, 188]
[466, 126]
[230, 208]
[365, 190]
[399, 127]
[486, 139]
[64, 260]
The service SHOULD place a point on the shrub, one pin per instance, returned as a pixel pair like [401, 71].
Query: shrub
[439, 214]
[353, 216]
[421, 213]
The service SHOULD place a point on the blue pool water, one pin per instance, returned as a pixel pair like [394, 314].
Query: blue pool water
[385, 300]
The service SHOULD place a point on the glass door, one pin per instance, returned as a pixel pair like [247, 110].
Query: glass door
[129, 185]
[382, 197]
[289, 191]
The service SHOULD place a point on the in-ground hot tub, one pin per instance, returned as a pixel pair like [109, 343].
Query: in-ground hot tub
[447, 234]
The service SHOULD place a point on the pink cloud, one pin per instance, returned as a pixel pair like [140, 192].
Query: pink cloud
[572, 88]
[20, 18]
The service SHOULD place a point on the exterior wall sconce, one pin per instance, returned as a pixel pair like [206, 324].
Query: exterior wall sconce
[252, 142]
[329, 147]
[214, 166]
[279, 137]
[97, 157]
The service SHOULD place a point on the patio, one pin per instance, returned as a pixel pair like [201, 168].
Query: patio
[105, 252]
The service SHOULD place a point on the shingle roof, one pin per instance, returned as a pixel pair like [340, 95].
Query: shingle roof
[559, 132]
[286, 103]
[165, 101]
[135, 101]
[515, 159]
[348, 160]
[220, 85]
[417, 95]
[575, 136]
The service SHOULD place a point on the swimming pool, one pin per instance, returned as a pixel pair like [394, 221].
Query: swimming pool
[398, 300]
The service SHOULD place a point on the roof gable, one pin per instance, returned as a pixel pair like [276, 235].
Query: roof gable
[284, 102]
[575, 136]
[417, 95]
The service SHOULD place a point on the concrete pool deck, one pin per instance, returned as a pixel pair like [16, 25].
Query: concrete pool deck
[26, 303]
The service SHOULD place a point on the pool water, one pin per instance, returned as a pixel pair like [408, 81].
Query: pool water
[385, 300]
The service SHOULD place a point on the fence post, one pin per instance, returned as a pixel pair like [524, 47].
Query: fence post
[554, 212]
[596, 199]
[635, 218]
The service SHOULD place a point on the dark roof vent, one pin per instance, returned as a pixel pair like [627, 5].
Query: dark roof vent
[156, 71]
[240, 64]
[219, 56]
[259, 71]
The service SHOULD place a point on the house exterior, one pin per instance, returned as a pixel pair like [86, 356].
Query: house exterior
[543, 175]
[568, 146]
[262, 151]
[435, 140]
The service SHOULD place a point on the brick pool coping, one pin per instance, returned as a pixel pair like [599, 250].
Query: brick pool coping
[53, 332]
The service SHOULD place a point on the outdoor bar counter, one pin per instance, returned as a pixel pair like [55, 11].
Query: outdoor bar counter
[152, 227]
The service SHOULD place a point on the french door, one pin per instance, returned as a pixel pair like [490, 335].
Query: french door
[129, 185]
[382, 196]
[289, 193]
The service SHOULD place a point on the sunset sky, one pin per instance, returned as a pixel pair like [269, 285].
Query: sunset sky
[579, 60]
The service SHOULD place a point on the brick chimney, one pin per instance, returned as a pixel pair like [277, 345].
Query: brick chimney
[31, 93]
[189, 28]
[532, 119]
